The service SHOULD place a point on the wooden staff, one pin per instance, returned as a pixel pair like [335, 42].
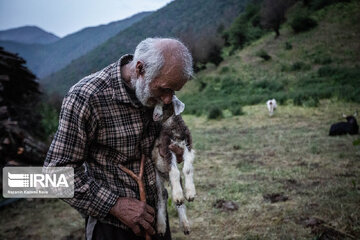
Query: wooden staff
[140, 182]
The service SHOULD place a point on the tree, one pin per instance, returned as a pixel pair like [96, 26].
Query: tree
[204, 47]
[20, 122]
[20, 92]
[245, 28]
[273, 13]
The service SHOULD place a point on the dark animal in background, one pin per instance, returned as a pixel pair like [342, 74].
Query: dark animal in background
[341, 128]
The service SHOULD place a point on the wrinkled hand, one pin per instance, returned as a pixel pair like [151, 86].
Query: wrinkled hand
[179, 152]
[135, 214]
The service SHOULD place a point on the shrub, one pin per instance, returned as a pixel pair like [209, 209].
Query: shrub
[346, 92]
[327, 71]
[297, 66]
[288, 46]
[214, 55]
[245, 28]
[322, 60]
[224, 69]
[263, 54]
[302, 24]
[49, 119]
[202, 85]
[281, 97]
[311, 102]
[298, 99]
[273, 86]
[215, 113]
[255, 99]
[319, 4]
[236, 110]
[285, 68]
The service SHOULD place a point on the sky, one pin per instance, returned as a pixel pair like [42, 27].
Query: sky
[62, 17]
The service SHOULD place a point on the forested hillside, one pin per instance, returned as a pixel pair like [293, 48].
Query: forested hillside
[45, 59]
[195, 22]
[319, 61]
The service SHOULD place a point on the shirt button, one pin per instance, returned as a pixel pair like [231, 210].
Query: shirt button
[152, 182]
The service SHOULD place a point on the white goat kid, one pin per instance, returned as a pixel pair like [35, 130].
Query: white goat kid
[271, 105]
[174, 133]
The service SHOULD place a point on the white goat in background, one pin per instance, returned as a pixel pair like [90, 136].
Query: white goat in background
[271, 105]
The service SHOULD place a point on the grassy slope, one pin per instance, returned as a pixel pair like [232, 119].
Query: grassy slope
[240, 159]
[332, 46]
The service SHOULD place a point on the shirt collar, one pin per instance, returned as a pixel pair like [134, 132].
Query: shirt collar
[119, 90]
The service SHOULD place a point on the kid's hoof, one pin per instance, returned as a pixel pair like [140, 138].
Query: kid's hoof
[179, 202]
[161, 232]
[178, 198]
[161, 229]
[186, 230]
[190, 199]
[186, 227]
[190, 194]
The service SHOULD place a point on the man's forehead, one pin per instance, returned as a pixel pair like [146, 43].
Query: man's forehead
[173, 82]
[172, 77]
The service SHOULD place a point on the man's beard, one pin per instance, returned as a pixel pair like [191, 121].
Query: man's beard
[142, 90]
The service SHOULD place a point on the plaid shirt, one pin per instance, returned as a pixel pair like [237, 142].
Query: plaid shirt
[102, 125]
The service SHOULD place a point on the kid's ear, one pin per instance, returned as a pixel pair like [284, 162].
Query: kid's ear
[178, 105]
[158, 113]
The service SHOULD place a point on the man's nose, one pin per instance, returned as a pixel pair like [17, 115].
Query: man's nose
[166, 99]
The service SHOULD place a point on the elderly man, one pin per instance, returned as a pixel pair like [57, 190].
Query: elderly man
[106, 120]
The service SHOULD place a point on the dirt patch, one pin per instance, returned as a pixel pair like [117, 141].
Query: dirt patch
[328, 233]
[346, 174]
[290, 183]
[271, 153]
[312, 205]
[312, 222]
[214, 154]
[236, 147]
[226, 205]
[275, 197]
[206, 186]
[248, 157]
[256, 177]
[323, 230]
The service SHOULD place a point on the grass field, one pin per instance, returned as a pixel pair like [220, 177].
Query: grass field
[241, 159]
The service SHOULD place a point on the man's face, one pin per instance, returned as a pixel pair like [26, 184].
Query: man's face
[161, 89]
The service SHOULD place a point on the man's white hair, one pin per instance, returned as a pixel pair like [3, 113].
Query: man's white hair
[153, 58]
[151, 53]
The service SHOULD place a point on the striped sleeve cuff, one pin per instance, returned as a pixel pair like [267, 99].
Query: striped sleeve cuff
[102, 203]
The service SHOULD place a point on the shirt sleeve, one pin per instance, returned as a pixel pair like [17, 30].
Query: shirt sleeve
[69, 148]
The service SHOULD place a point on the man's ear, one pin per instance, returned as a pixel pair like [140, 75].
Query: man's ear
[178, 105]
[140, 70]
